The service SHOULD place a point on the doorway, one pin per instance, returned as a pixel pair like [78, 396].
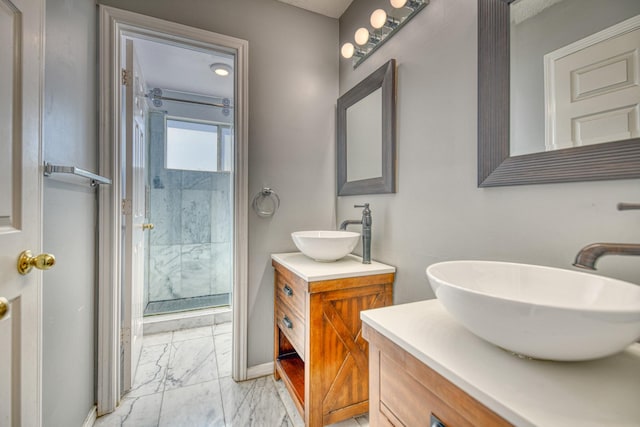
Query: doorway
[190, 145]
[195, 205]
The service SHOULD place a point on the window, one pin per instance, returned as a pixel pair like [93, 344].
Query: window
[198, 146]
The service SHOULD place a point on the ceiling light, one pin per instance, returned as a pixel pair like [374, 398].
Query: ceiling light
[221, 69]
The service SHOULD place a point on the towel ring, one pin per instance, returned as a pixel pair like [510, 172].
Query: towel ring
[266, 202]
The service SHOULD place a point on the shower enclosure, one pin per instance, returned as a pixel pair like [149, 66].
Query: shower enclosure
[189, 93]
[190, 203]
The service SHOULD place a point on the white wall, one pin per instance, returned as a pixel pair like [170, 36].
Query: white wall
[293, 64]
[438, 212]
[69, 333]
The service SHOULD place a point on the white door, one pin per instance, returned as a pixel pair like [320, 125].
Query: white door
[135, 213]
[594, 88]
[20, 210]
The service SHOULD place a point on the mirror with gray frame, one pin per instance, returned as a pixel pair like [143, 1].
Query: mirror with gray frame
[551, 116]
[366, 121]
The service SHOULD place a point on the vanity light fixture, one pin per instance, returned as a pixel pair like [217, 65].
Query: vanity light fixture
[384, 26]
[220, 69]
[378, 18]
[411, 4]
[349, 50]
[362, 36]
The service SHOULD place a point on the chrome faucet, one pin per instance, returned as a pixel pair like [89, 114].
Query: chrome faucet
[588, 255]
[366, 231]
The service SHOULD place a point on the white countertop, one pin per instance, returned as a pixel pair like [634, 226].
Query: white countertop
[604, 392]
[313, 271]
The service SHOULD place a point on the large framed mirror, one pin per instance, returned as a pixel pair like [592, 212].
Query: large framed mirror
[366, 135]
[507, 113]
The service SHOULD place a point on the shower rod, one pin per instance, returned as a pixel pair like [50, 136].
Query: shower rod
[156, 97]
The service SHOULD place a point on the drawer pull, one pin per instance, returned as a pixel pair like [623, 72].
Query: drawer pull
[287, 322]
[435, 422]
[288, 291]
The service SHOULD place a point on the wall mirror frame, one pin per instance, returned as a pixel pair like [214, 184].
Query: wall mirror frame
[612, 160]
[383, 78]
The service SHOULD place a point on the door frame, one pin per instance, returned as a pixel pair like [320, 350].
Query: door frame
[114, 23]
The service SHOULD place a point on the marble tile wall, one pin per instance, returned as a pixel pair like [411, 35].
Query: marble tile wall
[190, 246]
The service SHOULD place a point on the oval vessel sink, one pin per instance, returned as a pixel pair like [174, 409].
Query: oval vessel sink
[540, 312]
[325, 246]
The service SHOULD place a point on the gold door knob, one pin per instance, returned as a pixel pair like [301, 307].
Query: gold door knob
[26, 261]
[4, 306]
[147, 226]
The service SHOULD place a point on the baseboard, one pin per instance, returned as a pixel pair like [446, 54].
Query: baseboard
[259, 370]
[91, 417]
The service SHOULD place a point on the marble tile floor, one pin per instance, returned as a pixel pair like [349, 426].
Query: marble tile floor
[184, 380]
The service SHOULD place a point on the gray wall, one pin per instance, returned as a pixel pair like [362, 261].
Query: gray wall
[438, 212]
[69, 333]
[543, 33]
[293, 64]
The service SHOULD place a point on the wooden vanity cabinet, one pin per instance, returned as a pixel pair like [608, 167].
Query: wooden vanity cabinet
[319, 351]
[403, 391]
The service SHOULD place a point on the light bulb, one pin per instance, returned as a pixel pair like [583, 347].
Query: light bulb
[378, 18]
[398, 3]
[362, 36]
[347, 50]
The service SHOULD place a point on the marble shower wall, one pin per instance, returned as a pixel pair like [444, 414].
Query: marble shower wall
[190, 246]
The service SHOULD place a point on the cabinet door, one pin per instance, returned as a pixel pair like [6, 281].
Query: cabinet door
[337, 348]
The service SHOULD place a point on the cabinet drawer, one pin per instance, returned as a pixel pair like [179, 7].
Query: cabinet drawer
[291, 293]
[405, 400]
[291, 325]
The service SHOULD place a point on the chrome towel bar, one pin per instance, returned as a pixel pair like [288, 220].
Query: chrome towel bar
[94, 179]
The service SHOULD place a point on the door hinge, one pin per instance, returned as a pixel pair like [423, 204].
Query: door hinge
[126, 207]
[125, 336]
[126, 77]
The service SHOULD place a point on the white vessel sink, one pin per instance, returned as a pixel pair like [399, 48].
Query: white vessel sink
[325, 246]
[540, 312]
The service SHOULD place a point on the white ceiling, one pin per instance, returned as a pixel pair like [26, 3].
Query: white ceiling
[330, 8]
[183, 69]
